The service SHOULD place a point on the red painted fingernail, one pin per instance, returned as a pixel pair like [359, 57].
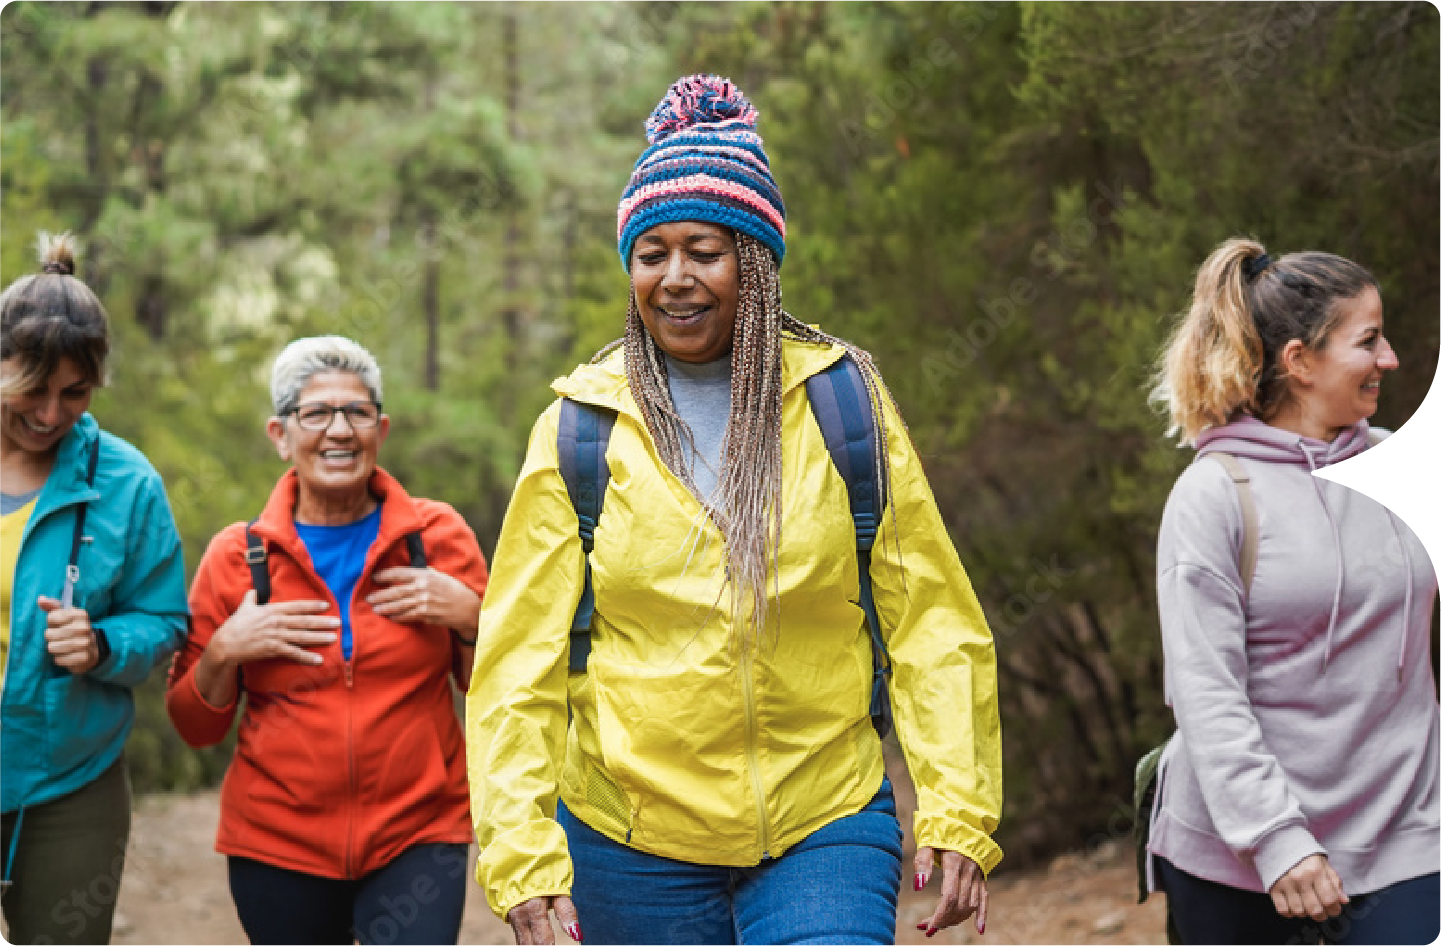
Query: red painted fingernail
[574, 931]
[930, 933]
[920, 926]
[981, 928]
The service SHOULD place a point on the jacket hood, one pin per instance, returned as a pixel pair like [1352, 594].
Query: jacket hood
[1256, 440]
[604, 382]
[73, 455]
[1251, 438]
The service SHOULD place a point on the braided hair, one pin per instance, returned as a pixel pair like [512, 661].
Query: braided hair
[746, 506]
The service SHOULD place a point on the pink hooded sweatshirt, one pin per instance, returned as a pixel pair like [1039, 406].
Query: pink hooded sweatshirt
[1307, 714]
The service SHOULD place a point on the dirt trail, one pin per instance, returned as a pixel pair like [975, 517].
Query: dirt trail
[175, 891]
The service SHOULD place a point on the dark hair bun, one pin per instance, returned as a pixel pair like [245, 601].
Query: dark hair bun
[57, 254]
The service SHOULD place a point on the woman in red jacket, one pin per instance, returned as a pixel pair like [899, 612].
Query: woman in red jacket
[344, 813]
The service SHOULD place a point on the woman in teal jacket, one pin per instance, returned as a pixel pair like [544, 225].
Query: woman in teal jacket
[92, 598]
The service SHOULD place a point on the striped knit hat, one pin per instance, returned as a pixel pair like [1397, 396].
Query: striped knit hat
[705, 162]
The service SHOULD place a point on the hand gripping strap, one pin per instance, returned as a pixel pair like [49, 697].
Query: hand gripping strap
[582, 440]
[77, 538]
[842, 407]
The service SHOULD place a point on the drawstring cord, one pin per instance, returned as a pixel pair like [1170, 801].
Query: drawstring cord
[1336, 541]
[1406, 609]
[14, 843]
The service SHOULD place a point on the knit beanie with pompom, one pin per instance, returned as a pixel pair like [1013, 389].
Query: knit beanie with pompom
[705, 162]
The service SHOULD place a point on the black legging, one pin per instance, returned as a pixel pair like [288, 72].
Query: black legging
[1208, 912]
[416, 898]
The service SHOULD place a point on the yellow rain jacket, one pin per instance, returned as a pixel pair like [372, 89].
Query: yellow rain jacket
[683, 745]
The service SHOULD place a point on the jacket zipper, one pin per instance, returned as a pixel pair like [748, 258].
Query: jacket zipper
[30, 526]
[752, 755]
[350, 802]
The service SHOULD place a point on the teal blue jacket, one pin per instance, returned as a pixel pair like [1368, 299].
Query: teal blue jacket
[59, 731]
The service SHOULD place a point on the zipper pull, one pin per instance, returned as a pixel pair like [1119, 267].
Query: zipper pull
[349, 676]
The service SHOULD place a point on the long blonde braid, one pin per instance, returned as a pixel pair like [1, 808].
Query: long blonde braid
[747, 502]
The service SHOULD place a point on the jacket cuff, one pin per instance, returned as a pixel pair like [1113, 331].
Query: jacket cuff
[950, 834]
[1281, 850]
[203, 703]
[102, 647]
[527, 862]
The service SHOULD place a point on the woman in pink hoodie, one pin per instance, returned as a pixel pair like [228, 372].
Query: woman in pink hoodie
[1301, 788]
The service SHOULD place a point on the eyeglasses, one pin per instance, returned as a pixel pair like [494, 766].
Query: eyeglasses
[361, 415]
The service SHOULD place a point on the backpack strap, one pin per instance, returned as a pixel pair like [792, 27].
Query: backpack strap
[415, 546]
[72, 567]
[842, 407]
[1250, 532]
[77, 538]
[255, 558]
[582, 440]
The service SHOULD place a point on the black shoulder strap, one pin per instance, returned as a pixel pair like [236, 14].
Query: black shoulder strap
[415, 545]
[255, 558]
[842, 407]
[582, 440]
[72, 570]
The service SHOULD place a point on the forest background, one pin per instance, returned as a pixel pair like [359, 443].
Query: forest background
[1004, 202]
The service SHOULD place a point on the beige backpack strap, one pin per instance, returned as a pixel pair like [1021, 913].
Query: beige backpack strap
[1249, 533]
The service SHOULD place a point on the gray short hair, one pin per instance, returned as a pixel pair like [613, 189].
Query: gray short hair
[305, 358]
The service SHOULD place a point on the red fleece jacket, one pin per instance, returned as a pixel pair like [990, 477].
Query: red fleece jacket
[337, 770]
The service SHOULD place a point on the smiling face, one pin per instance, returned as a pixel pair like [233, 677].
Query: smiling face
[1339, 385]
[35, 421]
[338, 460]
[686, 277]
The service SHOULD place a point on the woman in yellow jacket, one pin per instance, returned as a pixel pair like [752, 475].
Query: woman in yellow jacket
[711, 772]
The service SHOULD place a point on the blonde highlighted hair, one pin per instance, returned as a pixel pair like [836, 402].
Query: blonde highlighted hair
[50, 316]
[1222, 358]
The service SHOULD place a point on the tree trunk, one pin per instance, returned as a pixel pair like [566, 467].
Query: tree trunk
[430, 302]
[510, 257]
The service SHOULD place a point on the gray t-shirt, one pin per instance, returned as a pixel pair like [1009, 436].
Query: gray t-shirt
[10, 502]
[702, 397]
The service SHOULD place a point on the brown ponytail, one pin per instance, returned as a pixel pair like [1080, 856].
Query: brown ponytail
[49, 316]
[1221, 359]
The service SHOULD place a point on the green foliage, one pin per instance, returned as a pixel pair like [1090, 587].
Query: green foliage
[1005, 202]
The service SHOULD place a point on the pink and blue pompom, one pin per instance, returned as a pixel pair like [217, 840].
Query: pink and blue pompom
[705, 162]
[699, 100]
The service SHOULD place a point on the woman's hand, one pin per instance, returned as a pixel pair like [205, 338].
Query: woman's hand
[963, 890]
[1311, 888]
[426, 596]
[531, 920]
[280, 629]
[69, 637]
[258, 632]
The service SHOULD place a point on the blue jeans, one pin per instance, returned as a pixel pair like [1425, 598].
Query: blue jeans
[416, 898]
[838, 885]
[1208, 912]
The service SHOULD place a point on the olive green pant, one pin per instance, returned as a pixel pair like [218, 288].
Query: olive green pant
[68, 862]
